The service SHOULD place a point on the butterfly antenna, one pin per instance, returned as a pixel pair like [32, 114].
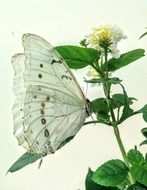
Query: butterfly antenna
[86, 88]
[86, 97]
[92, 118]
[40, 163]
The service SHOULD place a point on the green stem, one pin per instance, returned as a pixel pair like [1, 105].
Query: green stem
[106, 88]
[106, 62]
[123, 152]
[117, 135]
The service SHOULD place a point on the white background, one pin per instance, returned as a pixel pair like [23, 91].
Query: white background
[66, 22]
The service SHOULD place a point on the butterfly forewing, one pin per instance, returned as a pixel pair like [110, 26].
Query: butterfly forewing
[49, 106]
[52, 65]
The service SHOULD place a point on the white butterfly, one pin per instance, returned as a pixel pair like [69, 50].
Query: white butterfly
[50, 107]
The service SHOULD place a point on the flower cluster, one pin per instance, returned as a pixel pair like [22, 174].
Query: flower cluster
[106, 36]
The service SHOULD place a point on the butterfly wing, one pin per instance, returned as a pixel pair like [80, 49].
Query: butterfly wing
[49, 106]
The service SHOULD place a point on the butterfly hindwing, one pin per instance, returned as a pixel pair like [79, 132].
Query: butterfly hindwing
[51, 116]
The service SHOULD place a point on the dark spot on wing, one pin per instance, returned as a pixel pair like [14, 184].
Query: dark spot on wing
[37, 142]
[56, 61]
[41, 65]
[51, 151]
[48, 143]
[66, 77]
[40, 75]
[43, 104]
[35, 96]
[47, 98]
[43, 121]
[46, 133]
[42, 112]
[39, 88]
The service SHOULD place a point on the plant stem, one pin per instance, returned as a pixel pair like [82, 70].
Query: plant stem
[117, 134]
[123, 152]
[106, 62]
[106, 88]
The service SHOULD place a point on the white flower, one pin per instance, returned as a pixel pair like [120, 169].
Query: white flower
[92, 73]
[106, 36]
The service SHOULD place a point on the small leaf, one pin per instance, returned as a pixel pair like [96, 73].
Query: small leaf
[119, 100]
[103, 117]
[127, 112]
[78, 57]
[143, 143]
[125, 59]
[144, 132]
[144, 34]
[91, 185]
[136, 187]
[135, 157]
[105, 80]
[99, 105]
[24, 160]
[140, 173]
[65, 142]
[83, 43]
[144, 111]
[111, 173]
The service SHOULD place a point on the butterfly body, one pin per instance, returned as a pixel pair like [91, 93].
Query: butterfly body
[50, 107]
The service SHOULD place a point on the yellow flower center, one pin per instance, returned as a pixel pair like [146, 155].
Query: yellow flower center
[100, 34]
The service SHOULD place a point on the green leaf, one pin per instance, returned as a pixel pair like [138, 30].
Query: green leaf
[111, 173]
[144, 112]
[127, 112]
[83, 43]
[144, 34]
[64, 142]
[119, 100]
[140, 173]
[100, 108]
[136, 187]
[125, 59]
[146, 157]
[144, 132]
[91, 185]
[143, 143]
[105, 80]
[135, 157]
[23, 161]
[103, 117]
[78, 57]
[99, 105]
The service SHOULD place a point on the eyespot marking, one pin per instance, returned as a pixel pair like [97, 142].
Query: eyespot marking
[42, 104]
[46, 133]
[40, 75]
[35, 96]
[47, 98]
[41, 65]
[43, 121]
[42, 112]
